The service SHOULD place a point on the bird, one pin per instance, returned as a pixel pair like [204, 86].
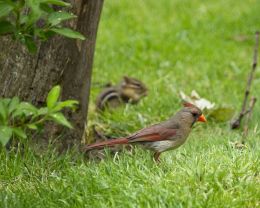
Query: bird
[161, 137]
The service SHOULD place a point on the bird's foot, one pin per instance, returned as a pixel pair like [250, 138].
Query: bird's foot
[156, 157]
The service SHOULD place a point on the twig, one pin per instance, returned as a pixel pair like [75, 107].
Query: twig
[236, 123]
[248, 117]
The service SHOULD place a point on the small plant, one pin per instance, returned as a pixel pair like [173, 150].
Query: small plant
[29, 20]
[17, 117]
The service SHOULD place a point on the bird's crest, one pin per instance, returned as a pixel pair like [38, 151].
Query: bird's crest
[187, 104]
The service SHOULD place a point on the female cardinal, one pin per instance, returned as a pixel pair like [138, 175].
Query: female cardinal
[161, 137]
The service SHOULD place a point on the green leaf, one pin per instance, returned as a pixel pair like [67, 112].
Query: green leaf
[5, 9]
[19, 132]
[60, 119]
[26, 109]
[13, 104]
[6, 101]
[18, 5]
[53, 96]
[222, 114]
[3, 112]
[32, 126]
[56, 18]
[56, 2]
[5, 134]
[68, 33]
[42, 34]
[46, 8]
[66, 104]
[30, 44]
[35, 11]
[28, 106]
[23, 19]
[6, 27]
[43, 111]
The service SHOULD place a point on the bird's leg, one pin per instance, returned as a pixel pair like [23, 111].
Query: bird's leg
[156, 157]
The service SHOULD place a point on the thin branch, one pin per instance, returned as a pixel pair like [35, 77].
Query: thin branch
[248, 117]
[236, 123]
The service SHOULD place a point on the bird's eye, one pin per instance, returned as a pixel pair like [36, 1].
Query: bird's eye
[195, 114]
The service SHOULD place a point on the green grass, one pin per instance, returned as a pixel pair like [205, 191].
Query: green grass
[207, 172]
[170, 46]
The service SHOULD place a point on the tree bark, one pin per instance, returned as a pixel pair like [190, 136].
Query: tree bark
[60, 60]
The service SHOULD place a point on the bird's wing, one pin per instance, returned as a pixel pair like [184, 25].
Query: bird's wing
[151, 134]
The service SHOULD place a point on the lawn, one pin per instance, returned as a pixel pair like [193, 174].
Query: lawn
[171, 46]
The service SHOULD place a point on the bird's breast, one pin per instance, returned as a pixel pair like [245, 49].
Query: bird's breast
[171, 143]
[161, 146]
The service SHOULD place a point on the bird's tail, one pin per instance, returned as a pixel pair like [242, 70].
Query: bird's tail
[108, 143]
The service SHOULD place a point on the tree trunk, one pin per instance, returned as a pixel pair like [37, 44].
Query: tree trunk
[60, 60]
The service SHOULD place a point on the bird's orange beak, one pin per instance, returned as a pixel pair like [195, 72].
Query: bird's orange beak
[202, 118]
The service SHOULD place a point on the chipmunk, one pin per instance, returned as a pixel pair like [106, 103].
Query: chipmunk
[129, 90]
